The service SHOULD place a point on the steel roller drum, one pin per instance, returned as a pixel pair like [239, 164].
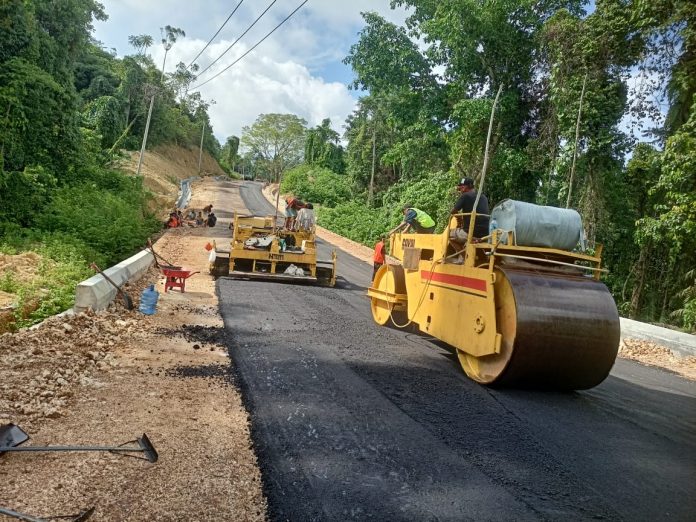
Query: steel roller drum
[560, 330]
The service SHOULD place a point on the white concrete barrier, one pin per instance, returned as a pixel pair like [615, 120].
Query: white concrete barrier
[680, 342]
[96, 292]
[185, 192]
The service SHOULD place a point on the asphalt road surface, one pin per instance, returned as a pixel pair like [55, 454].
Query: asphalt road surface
[355, 421]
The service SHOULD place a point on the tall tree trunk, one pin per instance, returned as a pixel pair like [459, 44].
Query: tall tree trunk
[577, 138]
[371, 192]
[641, 269]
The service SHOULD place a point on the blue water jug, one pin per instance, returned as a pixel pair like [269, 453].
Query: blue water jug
[148, 300]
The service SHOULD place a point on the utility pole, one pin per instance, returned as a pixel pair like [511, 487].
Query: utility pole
[200, 151]
[149, 117]
[167, 41]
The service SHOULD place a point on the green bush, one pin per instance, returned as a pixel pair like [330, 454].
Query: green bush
[432, 193]
[317, 185]
[355, 221]
[107, 222]
[64, 263]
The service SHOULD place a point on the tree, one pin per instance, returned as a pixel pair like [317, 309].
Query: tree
[141, 43]
[278, 139]
[230, 153]
[322, 147]
[169, 37]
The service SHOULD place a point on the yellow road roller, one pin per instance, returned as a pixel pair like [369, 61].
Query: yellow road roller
[522, 307]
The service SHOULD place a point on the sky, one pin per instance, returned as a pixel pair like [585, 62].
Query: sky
[296, 70]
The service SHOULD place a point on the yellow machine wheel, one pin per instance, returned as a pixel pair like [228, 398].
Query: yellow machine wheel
[558, 331]
[488, 369]
[388, 279]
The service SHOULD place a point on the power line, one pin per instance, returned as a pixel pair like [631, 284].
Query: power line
[218, 32]
[239, 38]
[254, 47]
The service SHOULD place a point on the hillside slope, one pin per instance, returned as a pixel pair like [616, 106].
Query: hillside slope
[165, 166]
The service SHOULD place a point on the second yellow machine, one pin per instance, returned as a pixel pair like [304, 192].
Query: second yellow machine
[517, 314]
[261, 250]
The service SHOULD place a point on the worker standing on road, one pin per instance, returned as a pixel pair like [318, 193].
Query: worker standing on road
[378, 258]
[415, 219]
[292, 205]
[465, 205]
[305, 218]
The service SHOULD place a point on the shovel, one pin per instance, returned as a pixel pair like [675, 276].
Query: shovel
[80, 517]
[157, 256]
[127, 301]
[18, 436]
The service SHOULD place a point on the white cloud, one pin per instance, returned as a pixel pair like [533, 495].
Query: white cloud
[295, 70]
[260, 84]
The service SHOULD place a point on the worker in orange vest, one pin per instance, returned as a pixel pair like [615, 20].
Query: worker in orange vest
[378, 258]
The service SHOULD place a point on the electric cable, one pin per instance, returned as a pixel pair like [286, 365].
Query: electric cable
[238, 38]
[217, 33]
[252, 48]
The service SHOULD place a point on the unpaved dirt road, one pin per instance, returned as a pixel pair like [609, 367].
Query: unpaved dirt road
[106, 378]
[354, 421]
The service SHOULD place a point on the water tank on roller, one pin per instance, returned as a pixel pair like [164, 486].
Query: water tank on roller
[539, 226]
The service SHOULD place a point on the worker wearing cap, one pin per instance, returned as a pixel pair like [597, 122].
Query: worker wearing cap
[465, 205]
[292, 206]
[415, 219]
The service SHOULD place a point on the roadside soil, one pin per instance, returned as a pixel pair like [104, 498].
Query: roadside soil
[644, 352]
[18, 268]
[106, 378]
[165, 166]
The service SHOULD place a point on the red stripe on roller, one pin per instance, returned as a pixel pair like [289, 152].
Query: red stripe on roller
[455, 280]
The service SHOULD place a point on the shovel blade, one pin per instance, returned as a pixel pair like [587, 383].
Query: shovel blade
[12, 435]
[148, 449]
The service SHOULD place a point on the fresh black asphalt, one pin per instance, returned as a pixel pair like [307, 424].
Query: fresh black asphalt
[355, 421]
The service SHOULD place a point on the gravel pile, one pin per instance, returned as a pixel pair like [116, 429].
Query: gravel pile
[45, 367]
[652, 354]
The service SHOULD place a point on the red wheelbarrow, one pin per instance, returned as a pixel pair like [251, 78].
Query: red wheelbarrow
[176, 277]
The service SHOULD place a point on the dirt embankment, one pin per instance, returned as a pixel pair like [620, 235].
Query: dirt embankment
[165, 166]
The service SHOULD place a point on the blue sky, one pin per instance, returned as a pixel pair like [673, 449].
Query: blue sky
[298, 69]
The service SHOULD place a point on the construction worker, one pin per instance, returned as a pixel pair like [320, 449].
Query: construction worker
[305, 219]
[378, 258]
[292, 205]
[465, 205]
[415, 219]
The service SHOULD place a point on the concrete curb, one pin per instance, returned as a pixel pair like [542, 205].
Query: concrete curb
[679, 342]
[96, 292]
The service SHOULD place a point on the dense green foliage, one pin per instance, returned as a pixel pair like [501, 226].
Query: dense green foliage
[322, 148]
[315, 184]
[67, 106]
[560, 134]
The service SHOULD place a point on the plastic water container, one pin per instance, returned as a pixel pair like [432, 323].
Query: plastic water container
[148, 300]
